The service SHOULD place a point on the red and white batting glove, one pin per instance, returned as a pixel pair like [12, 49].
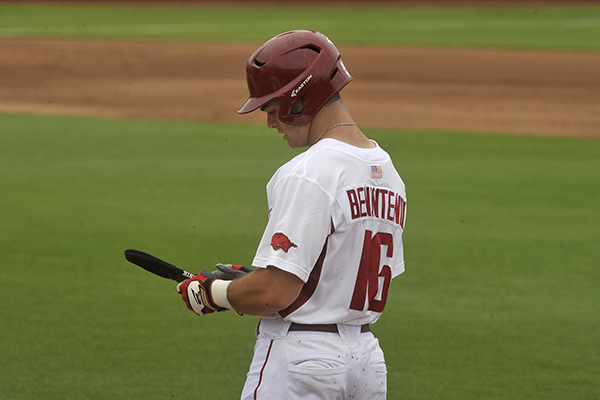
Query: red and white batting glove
[204, 293]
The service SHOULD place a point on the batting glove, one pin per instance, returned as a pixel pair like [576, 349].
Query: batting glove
[230, 272]
[204, 293]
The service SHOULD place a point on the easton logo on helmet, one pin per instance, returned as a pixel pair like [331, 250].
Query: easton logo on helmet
[296, 91]
[281, 241]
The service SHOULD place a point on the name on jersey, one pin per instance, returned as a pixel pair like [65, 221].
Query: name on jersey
[376, 203]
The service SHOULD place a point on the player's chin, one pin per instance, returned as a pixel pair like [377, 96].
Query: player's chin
[293, 141]
[293, 144]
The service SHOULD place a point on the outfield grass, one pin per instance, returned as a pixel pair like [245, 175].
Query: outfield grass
[78, 321]
[499, 300]
[545, 27]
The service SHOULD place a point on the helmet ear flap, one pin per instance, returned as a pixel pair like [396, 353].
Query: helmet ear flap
[298, 105]
[291, 109]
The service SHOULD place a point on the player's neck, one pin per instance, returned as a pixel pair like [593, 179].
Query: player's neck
[335, 122]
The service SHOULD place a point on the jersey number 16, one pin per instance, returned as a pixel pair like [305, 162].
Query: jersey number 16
[367, 287]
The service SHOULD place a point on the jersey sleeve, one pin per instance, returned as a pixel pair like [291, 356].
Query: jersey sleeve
[299, 222]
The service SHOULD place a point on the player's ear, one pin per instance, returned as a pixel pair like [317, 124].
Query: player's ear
[298, 105]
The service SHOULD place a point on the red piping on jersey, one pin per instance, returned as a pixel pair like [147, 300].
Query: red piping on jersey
[311, 285]
[262, 370]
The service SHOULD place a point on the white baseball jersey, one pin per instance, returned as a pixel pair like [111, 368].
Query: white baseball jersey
[336, 218]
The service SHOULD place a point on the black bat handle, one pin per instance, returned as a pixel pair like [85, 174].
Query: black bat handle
[157, 266]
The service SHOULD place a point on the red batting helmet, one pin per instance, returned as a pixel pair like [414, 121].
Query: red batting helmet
[291, 65]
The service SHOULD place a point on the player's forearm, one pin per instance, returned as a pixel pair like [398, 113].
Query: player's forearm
[263, 292]
[246, 299]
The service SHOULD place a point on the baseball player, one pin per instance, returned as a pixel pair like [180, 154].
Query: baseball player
[333, 241]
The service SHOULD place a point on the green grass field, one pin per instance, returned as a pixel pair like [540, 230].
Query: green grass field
[506, 27]
[499, 300]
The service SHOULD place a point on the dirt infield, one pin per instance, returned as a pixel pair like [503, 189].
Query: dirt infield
[541, 93]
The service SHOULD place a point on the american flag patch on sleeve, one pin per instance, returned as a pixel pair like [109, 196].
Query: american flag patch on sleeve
[376, 171]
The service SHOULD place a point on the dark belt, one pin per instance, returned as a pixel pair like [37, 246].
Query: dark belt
[323, 328]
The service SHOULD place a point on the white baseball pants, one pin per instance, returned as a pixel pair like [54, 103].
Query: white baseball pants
[313, 365]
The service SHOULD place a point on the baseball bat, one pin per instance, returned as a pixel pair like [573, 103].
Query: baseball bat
[157, 266]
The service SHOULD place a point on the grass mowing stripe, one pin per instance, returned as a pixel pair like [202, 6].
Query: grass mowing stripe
[527, 27]
[499, 300]
[207, 27]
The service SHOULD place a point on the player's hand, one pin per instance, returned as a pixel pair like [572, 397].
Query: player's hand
[229, 272]
[196, 293]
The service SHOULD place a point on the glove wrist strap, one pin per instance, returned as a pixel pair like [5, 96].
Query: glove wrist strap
[218, 290]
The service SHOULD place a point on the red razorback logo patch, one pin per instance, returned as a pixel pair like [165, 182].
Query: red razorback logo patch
[281, 241]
